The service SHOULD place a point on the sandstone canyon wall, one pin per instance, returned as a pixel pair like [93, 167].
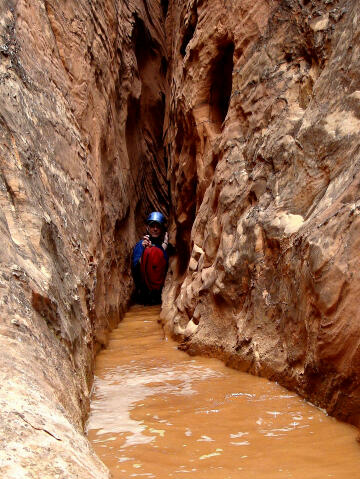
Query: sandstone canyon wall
[257, 105]
[82, 107]
[262, 134]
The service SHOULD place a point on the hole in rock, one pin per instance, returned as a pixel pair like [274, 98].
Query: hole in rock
[220, 301]
[252, 198]
[221, 84]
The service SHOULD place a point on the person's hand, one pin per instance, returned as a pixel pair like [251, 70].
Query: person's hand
[166, 241]
[146, 241]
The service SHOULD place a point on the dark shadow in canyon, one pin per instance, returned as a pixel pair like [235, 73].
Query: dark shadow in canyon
[165, 7]
[144, 127]
[221, 83]
[189, 31]
[186, 188]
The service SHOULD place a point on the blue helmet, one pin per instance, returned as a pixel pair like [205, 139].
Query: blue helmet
[156, 216]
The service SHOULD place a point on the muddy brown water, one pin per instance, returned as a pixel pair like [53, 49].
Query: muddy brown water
[158, 413]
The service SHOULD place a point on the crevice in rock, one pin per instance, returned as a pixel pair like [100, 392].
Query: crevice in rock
[144, 128]
[221, 83]
[184, 186]
[189, 30]
[164, 6]
[187, 189]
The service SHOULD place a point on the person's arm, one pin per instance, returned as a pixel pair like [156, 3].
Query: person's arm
[165, 242]
[139, 249]
[166, 246]
[137, 253]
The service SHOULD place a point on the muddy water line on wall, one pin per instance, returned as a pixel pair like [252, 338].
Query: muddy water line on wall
[157, 413]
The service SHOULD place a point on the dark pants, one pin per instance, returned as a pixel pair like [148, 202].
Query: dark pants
[142, 294]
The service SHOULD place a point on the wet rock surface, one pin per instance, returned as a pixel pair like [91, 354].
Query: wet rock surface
[264, 166]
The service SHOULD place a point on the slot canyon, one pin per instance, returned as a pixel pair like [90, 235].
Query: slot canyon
[237, 119]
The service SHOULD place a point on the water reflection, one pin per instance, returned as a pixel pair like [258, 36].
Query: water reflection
[122, 387]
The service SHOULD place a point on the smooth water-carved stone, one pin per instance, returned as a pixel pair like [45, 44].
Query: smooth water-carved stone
[277, 176]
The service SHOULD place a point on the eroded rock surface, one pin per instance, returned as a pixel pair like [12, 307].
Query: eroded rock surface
[261, 106]
[80, 125]
[263, 145]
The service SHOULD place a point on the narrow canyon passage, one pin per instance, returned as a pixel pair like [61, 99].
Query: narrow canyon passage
[157, 412]
[238, 120]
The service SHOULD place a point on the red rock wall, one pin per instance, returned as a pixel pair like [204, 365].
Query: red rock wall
[260, 101]
[263, 145]
[82, 104]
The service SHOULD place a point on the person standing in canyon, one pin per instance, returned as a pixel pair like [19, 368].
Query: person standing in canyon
[150, 260]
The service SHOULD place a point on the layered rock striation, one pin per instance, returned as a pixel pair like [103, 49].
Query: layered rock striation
[257, 106]
[83, 99]
[263, 145]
